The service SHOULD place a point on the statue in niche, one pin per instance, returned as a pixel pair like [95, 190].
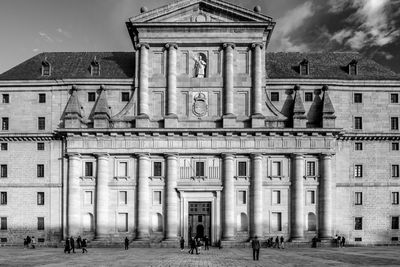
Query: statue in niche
[200, 65]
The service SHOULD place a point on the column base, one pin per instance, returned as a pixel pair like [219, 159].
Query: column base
[257, 121]
[171, 121]
[171, 243]
[297, 239]
[229, 121]
[143, 121]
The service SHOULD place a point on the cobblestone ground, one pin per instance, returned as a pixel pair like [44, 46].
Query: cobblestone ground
[365, 256]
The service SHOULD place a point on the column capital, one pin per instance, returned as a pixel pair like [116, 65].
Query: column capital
[73, 155]
[171, 155]
[143, 155]
[227, 155]
[255, 45]
[326, 155]
[256, 155]
[144, 45]
[170, 46]
[101, 155]
[297, 156]
[228, 45]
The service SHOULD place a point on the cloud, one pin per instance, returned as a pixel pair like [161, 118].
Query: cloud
[287, 25]
[35, 50]
[386, 55]
[64, 33]
[46, 37]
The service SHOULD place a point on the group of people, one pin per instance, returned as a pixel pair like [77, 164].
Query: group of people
[340, 241]
[29, 242]
[195, 244]
[70, 244]
[278, 243]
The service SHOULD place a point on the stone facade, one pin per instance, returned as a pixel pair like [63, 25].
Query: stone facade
[199, 131]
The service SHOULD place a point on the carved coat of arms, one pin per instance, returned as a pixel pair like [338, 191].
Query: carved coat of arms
[200, 107]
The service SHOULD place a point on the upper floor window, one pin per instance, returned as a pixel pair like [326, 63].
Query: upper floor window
[358, 171]
[125, 97]
[394, 123]
[275, 96]
[308, 97]
[157, 168]
[310, 168]
[358, 223]
[6, 98]
[276, 169]
[3, 198]
[395, 170]
[276, 197]
[95, 67]
[41, 123]
[40, 223]
[46, 68]
[4, 124]
[358, 146]
[40, 198]
[4, 146]
[123, 197]
[122, 169]
[157, 200]
[310, 197]
[358, 123]
[395, 146]
[394, 98]
[89, 168]
[40, 170]
[358, 198]
[200, 168]
[353, 67]
[91, 96]
[358, 98]
[304, 67]
[3, 223]
[395, 222]
[395, 198]
[88, 198]
[40, 146]
[242, 197]
[3, 171]
[42, 98]
[242, 168]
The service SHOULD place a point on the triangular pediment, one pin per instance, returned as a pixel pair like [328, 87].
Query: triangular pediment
[198, 11]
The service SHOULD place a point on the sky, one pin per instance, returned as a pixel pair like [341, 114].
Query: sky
[29, 27]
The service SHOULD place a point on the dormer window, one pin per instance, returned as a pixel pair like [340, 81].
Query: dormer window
[46, 68]
[353, 67]
[304, 67]
[95, 67]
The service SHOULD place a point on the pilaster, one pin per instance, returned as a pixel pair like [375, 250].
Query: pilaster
[171, 120]
[257, 118]
[142, 121]
[229, 198]
[297, 198]
[143, 197]
[102, 196]
[229, 118]
[325, 197]
[74, 200]
[171, 206]
[256, 196]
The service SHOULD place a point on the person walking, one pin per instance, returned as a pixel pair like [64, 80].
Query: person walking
[67, 247]
[193, 246]
[277, 242]
[78, 242]
[72, 243]
[182, 243]
[33, 242]
[126, 243]
[206, 246]
[84, 244]
[343, 241]
[28, 241]
[255, 244]
[282, 242]
[314, 242]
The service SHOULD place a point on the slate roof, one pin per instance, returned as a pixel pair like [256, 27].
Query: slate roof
[120, 65]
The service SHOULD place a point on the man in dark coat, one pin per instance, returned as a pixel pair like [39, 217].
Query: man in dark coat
[255, 244]
[126, 243]
[67, 247]
[182, 243]
[206, 243]
[72, 242]
[78, 242]
[193, 246]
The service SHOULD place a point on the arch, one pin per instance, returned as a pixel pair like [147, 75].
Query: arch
[157, 222]
[312, 221]
[88, 222]
[243, 222]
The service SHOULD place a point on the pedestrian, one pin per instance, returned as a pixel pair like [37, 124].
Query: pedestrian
[277, 242]
[282, 242]
[193, 246]
[219, 244]
[67, 246]
[198, 243]
[206, 247]
[314, 242]
[343, 241]
[78, 242]
[126, 243]
[72, 244]
[33, 242]
[255, 244]
[84, 244]
[28, 241]
[25, 243]
[339, 239]
[182, 243]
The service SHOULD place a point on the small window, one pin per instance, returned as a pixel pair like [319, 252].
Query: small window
[88, 198]
[395, 171]
[40, 146]
[357, 98]
[310, 197]
[353, 67]
[242, 168]
[95, 68]
[242, 197]
[46, 68]
[275, 96]
[40, 198]
[123, 197]
[6, 98]
[308, 97]
[89, 169]
[3, 198]
[41, 123]
[395, 146]
[40, 223]
[125, 97]
[304, 67]
[394, 98]
[40, 240]
[4, 146]
[157, 198]
[395, 238]
[358, 170]
[199, 168]
[358, 198]
[157, 168]
[395, 223]
[276, 169]
[122, 169]
[40, 170]
[199, 218]
[276, 197]
[42, 98]
[358, 146]
[3, 223]
[394, 123]
[358, 223]
[91, 97]
[395, 198]
[4, 124]
[310, 168]
[3, 240]
[3, 170]
[358, 239]
[358, 123]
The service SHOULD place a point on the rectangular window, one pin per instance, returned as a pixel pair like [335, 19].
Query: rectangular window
[40, 146]
[4, 124]
[40, 223]
[358, 146]
[157, 168]
[358, 171]
[276, 169]
[199, 168]
[6, 98]
[3, 223]
[395, 198]
[274, 96]
[242, 197]
[3, 198]
[276, 197]
[310, 197]
[394, 98]
[157, 198]
[42, 98]
[308, 97]
[40, 198]
[395, 146]
[357, 98]
[395, 223]
[88, 169]
[358, 123]
[395, 171]
[276, 221]
[310, 168]
[242, 168]
[40, 170]
[3, 170]
[358, 198]
[4, 146]
[358, 239]
[123, 169]
[123, 197]
[41, 123]
[40, 240]
[88, 197]
[358, 223]
[91, 97]
[3, 239]
[200, 218]
[394, 123]
[122, 222]
[125, 97]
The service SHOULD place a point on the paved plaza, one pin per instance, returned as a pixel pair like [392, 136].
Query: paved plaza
[364, 256]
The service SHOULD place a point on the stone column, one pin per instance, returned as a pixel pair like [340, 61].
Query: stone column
[297, 198]
[229, 198]
[74, 199]
[257, 78]
[228, 79]
[143, 197]
[171, 206]
[102, 196]
[144, 80]
[172, 104]
[256, 196]
[325, 197]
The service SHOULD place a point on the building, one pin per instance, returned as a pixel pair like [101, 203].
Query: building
[200, 131]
